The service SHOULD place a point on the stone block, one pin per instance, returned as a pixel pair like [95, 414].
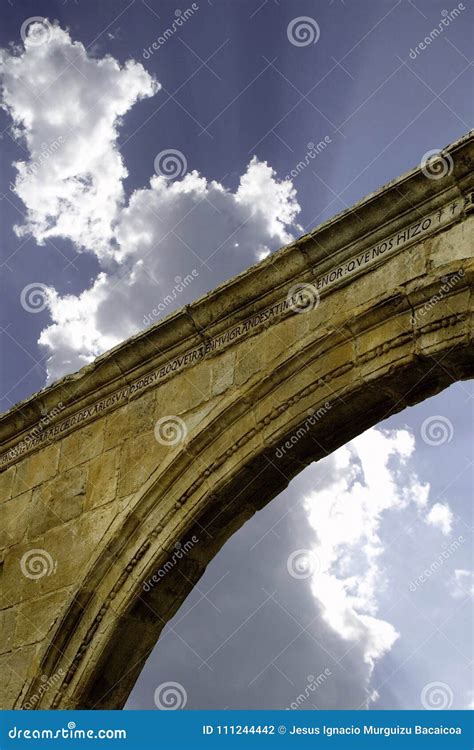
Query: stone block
[139, 457]
[454, 244]
[248, 361]
[6, 483]
[57, 501]
[36, 469]
[102, 479]
[82, 445]
[14, 519]
[16, 668]
[74, 546]
[223, 372]
[184, 391]
[7, 629]
[35, 618]
[134, 418]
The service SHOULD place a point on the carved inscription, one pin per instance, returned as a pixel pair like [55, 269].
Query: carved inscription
[44, 436]
[411, 234]
[356, 264]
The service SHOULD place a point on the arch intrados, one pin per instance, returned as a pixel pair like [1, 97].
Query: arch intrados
[110, 613]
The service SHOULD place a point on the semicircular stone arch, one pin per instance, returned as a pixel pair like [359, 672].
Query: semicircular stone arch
[184, 431]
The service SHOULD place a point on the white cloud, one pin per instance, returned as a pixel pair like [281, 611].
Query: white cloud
[463, 584]
[370, 478]
[66, 106]
[163, 233]
[441, 517]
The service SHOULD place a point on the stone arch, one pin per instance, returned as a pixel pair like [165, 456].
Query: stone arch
[391, 328]
[245, 471]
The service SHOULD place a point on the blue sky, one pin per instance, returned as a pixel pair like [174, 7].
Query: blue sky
[226, 87]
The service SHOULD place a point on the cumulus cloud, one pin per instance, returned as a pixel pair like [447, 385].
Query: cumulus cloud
[159, 248]
[463, 584]
[66, 107]
[441, 517]
[370, 479]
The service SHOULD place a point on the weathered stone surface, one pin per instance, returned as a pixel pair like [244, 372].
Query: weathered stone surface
[82, 445]
[223, 373]
[57, 501]
[192, 425]
[133, 419]
[36, 469]
[16, 668]
[248, 362]
[6, 483]
[14, 519]
[35, 618]
[7, 628]
[102, 479]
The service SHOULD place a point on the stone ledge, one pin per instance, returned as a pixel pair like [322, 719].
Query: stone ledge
[399, 203]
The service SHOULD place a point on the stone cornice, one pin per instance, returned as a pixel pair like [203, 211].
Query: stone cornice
[194, 328]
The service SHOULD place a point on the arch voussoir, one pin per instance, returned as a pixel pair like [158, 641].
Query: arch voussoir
[253, 395]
